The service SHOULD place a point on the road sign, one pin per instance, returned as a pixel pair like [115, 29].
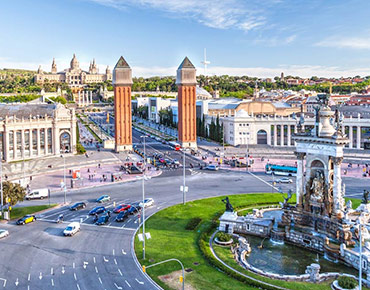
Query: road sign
[182, 188]
[140, 236]
[148, 236]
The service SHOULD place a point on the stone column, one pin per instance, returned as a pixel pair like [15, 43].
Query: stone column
[282, 135]
[23, 145]
[14, 144]
[79, 95]
[46, 140]
[38, 142]
[30, 138]
[358, 137]
[91, 100]
[83, 98]
[288, 136]
[6, 146]
[350, 133]
[299, 179]
[55, 132]
[269, 136]
[338, 195]
[275, 135]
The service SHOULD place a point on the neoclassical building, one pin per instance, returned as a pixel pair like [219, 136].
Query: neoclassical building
[36, 130]
[74, 76]
[244, 128]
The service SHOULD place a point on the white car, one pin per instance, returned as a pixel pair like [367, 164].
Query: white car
[284, 180]
[72, 229]
[147, 202]
[212, 167]
[3, 233]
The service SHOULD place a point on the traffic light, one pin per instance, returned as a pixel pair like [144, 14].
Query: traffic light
[144, 269]
[181, 279]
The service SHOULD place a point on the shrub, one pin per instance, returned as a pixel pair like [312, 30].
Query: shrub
[80, 149]
[223, 237]
[193, 223]
[347, 282]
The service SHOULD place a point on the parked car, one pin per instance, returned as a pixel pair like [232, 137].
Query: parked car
[121, 207]
[72, 229]
[26, 219]
[122, 216]
[212, 167]
[103, 198]
[78, 205]
[3, 233]
[97, 210]
[134, 208]
[284, 180]
[38, 193]
[175, 162]
[102, 220]
[147, 202]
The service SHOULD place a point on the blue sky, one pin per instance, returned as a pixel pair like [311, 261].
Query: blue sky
[243, 37]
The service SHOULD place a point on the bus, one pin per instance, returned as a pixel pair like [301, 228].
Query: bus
[281, 170]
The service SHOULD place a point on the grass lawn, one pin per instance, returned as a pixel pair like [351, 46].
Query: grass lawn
[171, 240]
[19, 212]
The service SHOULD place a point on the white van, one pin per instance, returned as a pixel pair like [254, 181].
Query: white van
[38, 193]
[72, 229]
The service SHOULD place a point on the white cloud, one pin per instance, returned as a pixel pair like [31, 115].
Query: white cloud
[349, 42]
[240, 14]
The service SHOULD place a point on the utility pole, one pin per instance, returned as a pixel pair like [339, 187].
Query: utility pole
[184, 186]
[360, 266]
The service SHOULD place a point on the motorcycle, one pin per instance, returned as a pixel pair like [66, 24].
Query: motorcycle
[60, 219]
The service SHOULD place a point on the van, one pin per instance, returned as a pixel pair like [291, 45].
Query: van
[72, 229]
[38, 193]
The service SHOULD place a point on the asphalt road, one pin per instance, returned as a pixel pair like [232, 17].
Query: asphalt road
[38, 256]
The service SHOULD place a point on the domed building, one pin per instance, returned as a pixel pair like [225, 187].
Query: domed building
[74, 76]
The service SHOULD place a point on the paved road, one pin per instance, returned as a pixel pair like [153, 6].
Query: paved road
[37, 256]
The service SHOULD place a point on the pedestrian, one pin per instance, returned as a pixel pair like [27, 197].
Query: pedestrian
[30, 177]
[88, 170]
[99, 165]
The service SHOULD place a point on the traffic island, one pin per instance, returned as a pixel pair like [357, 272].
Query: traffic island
[170, 239]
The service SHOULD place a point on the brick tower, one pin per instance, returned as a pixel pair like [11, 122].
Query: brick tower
[186, 82]
[122, 82]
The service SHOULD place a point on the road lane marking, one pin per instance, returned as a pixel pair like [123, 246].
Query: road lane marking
[16, 282]
[118, 287]
[115, 261]
[51, 271]
[29, 277]
[63, 270]
[78, 287]
[74, 274]
[113, 252]
[120, 272]
[96, 270]
[94, 260]
[123, 252]
[52, 282]
[105, 260]
[73, 265]
[101, 282]
[140, 282]
[40, 277]
[28, 287]
[128, 284]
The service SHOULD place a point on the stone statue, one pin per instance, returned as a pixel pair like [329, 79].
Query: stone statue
[229, 207]
[323, 99]
[317, 115]
[314, 271]
[348, 205]
[286, 199]
[300, 123]
[365, 197]
[317, 187]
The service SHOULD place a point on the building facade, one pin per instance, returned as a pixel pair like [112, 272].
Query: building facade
[30, 131]
[74, 76]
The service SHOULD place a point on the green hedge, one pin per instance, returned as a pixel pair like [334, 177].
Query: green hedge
[193, 223]
[347, 282]
[206, 251]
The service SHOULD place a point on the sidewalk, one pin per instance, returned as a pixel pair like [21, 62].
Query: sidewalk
[91, 176]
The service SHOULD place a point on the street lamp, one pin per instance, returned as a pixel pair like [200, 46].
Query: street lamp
[143, 189]
[247, 151]
[360, 260]
[184, 188]
[64, 177]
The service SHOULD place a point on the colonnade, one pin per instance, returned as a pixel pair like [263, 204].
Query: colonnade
[84, 99]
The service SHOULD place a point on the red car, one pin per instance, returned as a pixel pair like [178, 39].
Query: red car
[121, 207]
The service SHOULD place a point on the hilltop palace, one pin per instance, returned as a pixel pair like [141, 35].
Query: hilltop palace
[74, 76]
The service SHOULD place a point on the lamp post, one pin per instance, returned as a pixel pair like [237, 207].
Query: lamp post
[64, 177]
[247, 151]
[1, 184]
[143, 189]
[184, 184]
[360, 260]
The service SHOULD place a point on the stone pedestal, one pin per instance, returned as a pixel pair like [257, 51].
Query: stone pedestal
[227, 221]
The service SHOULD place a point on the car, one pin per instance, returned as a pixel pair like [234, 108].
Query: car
[212, 167]
[3, 233]
[175, 162]
[121, 207]
[103, 198]
[97, 210]
[284, 180]
[134, 208]
[102, 220]
[147, 202]
[26, 219]
[78, 205]
[72, 229]
[122, 216]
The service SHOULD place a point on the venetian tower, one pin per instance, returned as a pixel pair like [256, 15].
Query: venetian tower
[122, 82]
[186, 82]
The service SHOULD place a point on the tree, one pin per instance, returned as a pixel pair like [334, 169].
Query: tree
[13, 191]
